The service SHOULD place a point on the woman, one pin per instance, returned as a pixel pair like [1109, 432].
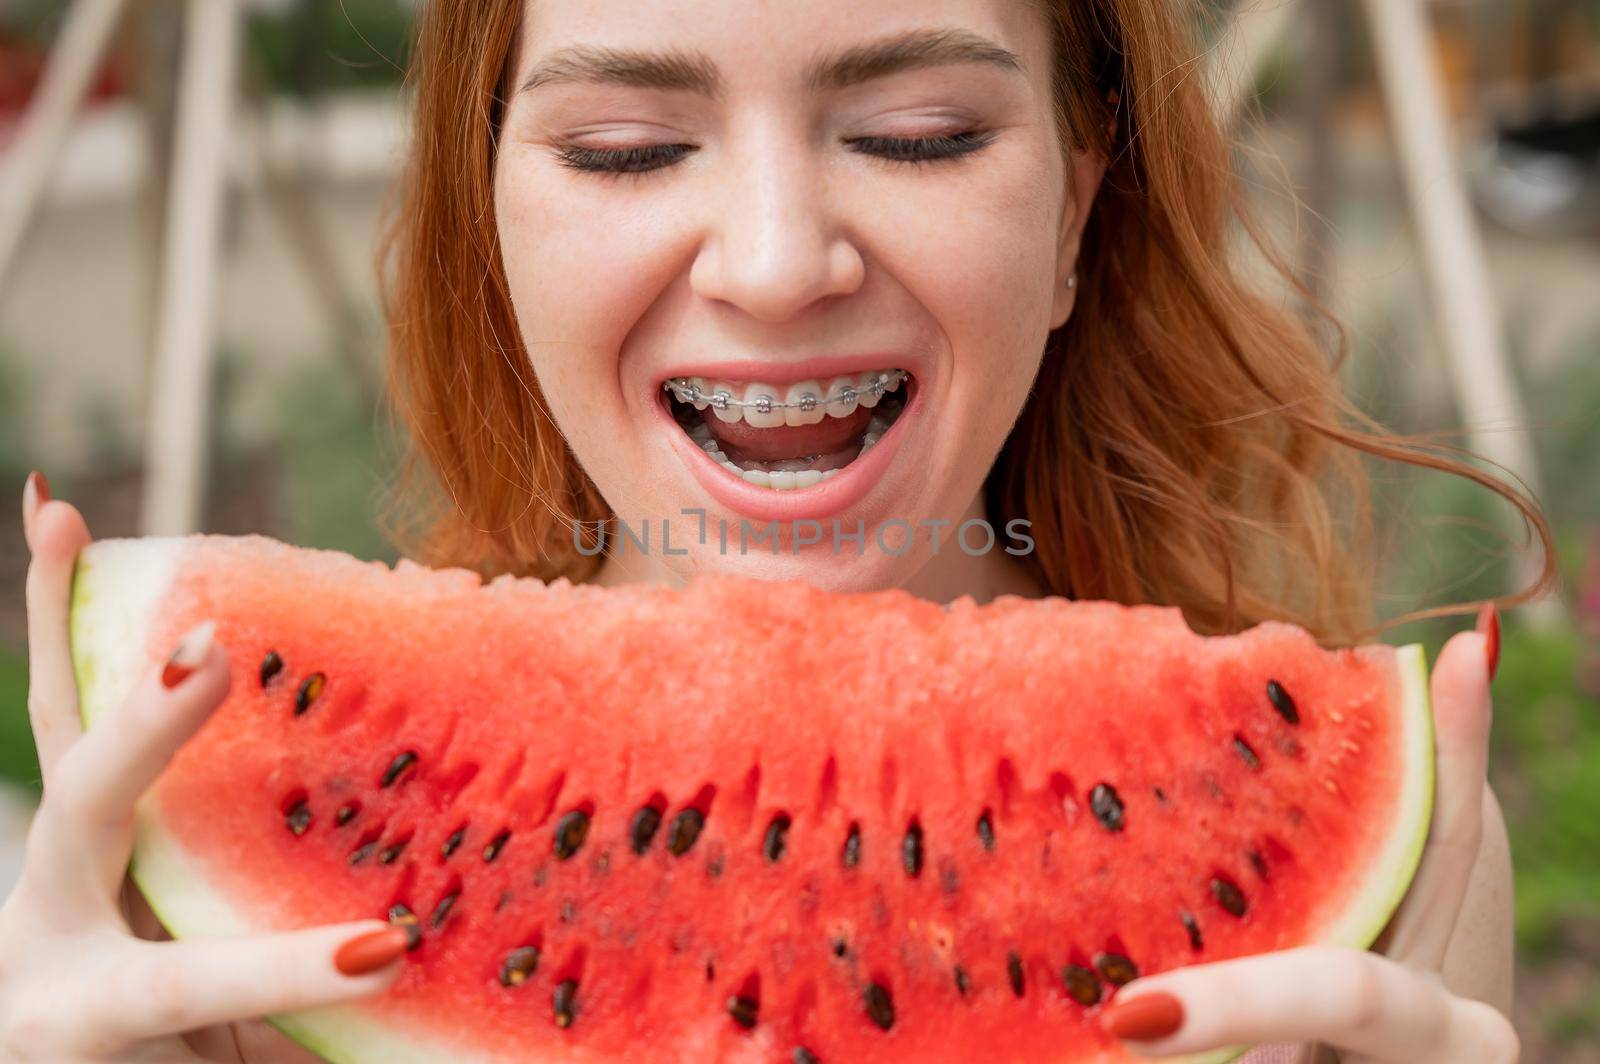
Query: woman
[854, 277]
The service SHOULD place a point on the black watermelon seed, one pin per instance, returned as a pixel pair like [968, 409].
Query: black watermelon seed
[400, 916]
[802, 1055]
[271, 665]
[840, 947]
[963, 984]
[1229, 896]
[744, 1011]
[565, 1002]
[1081, 984]
[880, 1006]
[298, 818]
[1246, 752]
[1161, 796]
[361, 853]
[1192, 926]
[309, 691]
[642, 832]
[391, 852]
[441, 912]
[496, 844]
[685, 830]
[453, 843]
[777, 837]
[519, 966]
[711, 972]
[911, 850]
[986, 831]
[1014, 973]
[571, 830]
[346, 813]
[1259, 863]
[949, 878]
[1107, 806]
[852, 847]
[397, 768]
[1116, 969]
[505, 899]
[1282, 702]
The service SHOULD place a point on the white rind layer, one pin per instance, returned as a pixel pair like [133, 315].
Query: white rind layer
[118, 589]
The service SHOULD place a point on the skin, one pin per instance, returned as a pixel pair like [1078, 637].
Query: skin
[772, 241]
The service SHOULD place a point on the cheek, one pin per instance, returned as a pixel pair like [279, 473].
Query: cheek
[980, 256]
[582, 271]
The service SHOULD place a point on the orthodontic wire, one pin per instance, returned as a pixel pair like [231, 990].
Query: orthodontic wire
[765, 404]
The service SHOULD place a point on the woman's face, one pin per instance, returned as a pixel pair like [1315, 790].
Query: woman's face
[818, 202]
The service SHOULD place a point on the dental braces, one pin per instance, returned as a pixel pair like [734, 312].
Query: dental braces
[686, 392]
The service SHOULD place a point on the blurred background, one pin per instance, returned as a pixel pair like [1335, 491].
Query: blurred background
[1492, 338]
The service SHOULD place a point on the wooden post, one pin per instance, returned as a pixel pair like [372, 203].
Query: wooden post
[180, 393]
[74, 60]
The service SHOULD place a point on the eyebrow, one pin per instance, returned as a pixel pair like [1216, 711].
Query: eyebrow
[695, 72]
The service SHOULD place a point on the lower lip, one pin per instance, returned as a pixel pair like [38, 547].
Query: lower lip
[833, 496]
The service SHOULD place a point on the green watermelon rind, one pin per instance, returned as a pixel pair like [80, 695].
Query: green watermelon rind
[109, 654]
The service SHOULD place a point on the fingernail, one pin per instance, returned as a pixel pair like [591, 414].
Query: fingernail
[35, 493]
[189, 656]
[1489, 625]
[1144, 1018]
[371, 951]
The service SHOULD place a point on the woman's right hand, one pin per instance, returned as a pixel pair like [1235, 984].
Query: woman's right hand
[75, 982]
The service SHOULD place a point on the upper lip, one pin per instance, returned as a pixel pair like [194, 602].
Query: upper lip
[766, 371]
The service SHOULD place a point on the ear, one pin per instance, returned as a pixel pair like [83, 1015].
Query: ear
[1082, 183]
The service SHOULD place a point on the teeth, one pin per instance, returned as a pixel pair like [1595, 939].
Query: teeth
[842, 386]
[720, 389]
[796, 397]
[699, 385]
[763, 415]
[864, 385]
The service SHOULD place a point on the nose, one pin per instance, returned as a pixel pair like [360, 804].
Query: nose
[775, 244]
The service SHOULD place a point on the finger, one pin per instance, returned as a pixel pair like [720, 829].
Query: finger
[169, 987]
[1462, 711]
[1357, 1002]
[87, 814]
[59, 533]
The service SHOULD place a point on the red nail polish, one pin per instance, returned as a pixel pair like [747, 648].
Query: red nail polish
[191, 653]
[1489, 625]
[35, 493]
[371, 951]
[1144, 1018]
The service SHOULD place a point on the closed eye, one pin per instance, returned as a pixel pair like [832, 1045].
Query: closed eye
[640, 160]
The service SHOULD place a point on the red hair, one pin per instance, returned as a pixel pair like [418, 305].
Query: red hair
[1186, 442]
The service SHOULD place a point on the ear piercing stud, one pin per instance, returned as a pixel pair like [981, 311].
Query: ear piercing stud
[1072, 280]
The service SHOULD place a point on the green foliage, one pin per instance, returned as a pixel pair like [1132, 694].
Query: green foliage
[1546, 753]
[324, 44]
[337, 456]
[18, 764]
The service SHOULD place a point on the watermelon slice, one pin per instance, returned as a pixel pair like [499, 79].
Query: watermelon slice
[750, 821]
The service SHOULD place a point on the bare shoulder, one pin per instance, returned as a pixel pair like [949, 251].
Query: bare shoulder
[1478, 963]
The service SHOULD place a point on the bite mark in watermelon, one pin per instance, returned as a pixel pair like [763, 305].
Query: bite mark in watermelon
[750, 821]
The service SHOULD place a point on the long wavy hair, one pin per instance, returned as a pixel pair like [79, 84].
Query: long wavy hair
[1186, 442]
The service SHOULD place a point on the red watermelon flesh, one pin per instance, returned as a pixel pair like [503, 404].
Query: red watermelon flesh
[747, 821]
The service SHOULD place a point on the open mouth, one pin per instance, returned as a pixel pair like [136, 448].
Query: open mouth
[788, 436]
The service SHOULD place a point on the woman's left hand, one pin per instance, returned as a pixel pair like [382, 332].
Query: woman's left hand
[1374, 1008]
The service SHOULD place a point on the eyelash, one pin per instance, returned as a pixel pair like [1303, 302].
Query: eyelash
[633, 162]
